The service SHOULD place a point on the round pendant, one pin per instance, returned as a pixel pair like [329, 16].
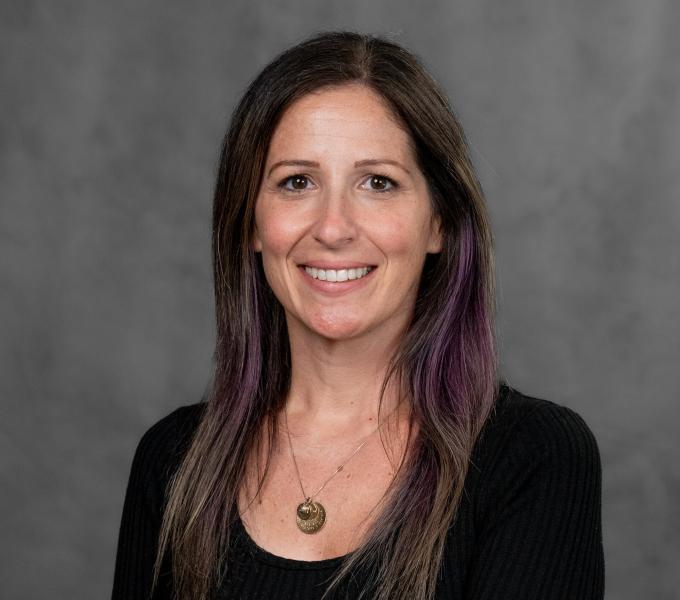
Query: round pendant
[310, 516]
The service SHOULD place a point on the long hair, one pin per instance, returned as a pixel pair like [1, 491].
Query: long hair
[446, 359]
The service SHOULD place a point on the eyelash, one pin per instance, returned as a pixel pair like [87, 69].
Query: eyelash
[282, 184]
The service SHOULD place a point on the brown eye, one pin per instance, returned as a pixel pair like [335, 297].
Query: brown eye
[380, 183]
[299, 182]
[294, 183]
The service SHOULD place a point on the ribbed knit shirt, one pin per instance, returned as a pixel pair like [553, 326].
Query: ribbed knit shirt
[528, 526]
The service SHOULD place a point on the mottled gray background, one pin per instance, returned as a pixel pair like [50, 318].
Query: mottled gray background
[111, 118]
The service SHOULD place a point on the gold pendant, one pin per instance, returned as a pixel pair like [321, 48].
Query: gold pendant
[310, 516]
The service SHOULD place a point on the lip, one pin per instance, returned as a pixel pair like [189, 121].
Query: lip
[336, 288]
[335, 265]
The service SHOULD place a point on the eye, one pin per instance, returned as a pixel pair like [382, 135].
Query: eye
[298, 183]
[381, 183]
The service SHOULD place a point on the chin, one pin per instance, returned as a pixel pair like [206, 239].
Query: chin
[337, 327]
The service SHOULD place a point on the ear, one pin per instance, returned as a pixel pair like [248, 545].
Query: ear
[436, 239]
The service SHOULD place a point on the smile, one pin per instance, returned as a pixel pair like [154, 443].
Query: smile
[335, 275]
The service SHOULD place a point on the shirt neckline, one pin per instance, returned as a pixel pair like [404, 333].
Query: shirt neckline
[266, 557]
[284, 562]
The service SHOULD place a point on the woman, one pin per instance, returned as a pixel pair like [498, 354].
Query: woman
[356, 441]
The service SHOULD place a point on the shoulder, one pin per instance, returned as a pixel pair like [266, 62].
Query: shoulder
[161, 446]
[536, 423]
[524, 432]
[536, 503]
[171, 430]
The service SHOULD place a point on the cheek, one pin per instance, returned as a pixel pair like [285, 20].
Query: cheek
[400, 238]
[278, 231]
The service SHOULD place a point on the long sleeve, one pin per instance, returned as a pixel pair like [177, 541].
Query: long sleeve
[541, 533]
[142, 512]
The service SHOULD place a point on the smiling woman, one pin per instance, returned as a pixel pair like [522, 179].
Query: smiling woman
[357, 441]
[361, 201]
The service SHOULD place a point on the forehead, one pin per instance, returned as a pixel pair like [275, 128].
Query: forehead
[347, 117]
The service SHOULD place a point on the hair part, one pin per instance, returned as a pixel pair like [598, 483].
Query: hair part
[446, 362]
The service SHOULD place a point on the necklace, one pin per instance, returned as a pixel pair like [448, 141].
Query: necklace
[310, 514]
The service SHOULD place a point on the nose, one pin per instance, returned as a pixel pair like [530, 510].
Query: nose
[335, 224]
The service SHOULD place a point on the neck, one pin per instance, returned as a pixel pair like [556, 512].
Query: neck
[335, 386]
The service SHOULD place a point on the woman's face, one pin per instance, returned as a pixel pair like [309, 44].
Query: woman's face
[341, 192]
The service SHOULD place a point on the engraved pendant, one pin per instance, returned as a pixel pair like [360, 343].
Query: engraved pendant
[310, 516]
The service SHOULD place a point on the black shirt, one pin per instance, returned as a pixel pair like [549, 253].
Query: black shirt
[529, 524]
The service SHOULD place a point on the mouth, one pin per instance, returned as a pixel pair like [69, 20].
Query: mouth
[338, 275]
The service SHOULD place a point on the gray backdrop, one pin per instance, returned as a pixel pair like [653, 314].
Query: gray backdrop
[112, 114]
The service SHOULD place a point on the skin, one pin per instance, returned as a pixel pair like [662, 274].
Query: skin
[339, 345]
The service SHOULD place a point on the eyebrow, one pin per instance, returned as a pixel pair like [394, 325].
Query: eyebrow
[360, 163]
[380, 161]
[292, 163]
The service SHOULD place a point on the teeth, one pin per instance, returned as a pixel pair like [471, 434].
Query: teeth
[338, 275]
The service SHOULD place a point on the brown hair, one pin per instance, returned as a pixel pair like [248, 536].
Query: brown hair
[446, 359]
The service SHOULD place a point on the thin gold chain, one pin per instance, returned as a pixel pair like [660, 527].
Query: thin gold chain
[297, 470]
